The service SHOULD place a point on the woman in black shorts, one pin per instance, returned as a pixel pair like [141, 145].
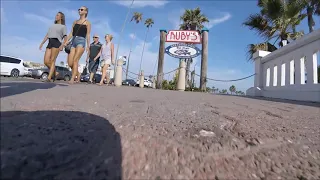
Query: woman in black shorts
[57, 32]
[80, 32]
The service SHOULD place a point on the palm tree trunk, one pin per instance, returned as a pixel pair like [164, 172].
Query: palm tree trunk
[145, 39]
[310, 18]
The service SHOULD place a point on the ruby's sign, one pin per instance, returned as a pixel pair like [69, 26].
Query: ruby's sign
[184, 36]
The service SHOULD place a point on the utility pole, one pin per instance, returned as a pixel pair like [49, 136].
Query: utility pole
[129, 60]
[123, 26]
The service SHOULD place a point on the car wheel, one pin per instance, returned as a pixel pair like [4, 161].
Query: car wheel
[44, 76]
[66, 78]
[15, 73]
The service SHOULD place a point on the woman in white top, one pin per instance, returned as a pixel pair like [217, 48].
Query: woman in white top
[107, 54]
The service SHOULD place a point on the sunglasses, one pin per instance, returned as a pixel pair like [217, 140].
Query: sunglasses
[95, 37]
[80, 9]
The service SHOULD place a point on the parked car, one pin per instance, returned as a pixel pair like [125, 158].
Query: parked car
[147, 83]
[63, 73]
[96, 78]
[27, 70]
[11, 66]
[129, 82]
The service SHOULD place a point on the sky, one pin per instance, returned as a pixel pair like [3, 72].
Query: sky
[25, 23]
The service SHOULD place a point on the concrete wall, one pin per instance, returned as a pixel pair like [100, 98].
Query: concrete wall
[289, 72]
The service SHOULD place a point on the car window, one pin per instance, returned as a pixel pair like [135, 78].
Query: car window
[59, 68]
[4, 59]
[10, 60]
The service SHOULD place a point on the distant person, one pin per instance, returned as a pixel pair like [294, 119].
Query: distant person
[94, 57]
[80, 32]
[107, 53]
[56, 33]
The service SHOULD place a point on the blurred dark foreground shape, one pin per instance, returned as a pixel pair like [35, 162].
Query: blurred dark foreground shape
[59, 145]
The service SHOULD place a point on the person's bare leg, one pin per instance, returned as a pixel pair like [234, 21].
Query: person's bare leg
[78, 53]
[71, 57]
[54, 55]
[104, 72]
[47, 56]
[107, 75]
[46, 59]
[91, 77]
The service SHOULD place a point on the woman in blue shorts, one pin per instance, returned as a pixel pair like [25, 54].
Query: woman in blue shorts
[81, 32]
[56, 33]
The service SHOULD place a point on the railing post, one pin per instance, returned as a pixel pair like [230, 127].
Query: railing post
[141, 79]
[118, 78]
[181, 85]
[163, 34]
[258, 78]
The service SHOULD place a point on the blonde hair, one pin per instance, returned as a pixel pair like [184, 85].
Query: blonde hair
[87, 9]
[110, 36]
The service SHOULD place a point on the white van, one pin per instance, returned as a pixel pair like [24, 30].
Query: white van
[11, 66]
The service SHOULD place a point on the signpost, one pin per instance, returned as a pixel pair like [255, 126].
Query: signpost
[182, 36]
[183, 51]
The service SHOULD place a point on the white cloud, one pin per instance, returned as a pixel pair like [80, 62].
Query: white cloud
[212, 21]
[140, 4]
[38, 18]
[215, 21]
[132, 36]
[3, 16]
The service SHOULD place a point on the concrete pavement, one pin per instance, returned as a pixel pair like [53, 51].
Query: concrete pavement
[91, 132]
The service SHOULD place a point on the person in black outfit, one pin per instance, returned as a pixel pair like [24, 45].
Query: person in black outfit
[80, 32]
[94, 57]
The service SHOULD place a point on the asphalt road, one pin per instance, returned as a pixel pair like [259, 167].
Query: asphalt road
[61, 131]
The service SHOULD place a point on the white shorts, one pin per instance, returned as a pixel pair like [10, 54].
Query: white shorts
[104, 62]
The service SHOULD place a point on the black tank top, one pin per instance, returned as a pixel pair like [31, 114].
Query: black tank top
[81, 32]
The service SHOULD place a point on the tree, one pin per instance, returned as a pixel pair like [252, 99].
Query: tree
[148, 23]
[192, 19]
[232, 89]
[277, 19]
[224, 91]
[308, 8]
[61, 63]
[137, 18]
[252, 48]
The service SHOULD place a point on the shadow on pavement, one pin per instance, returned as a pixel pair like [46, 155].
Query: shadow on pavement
[59, 145]
[13, 88]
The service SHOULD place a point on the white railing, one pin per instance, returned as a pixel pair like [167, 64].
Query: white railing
[290, 72]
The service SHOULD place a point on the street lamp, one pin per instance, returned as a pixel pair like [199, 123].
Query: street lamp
[123, 26]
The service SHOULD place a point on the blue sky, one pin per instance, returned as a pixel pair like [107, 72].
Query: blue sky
[25, 23]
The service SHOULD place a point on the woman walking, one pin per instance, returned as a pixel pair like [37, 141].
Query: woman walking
[107, 53]
[80, 32]
[57, 32]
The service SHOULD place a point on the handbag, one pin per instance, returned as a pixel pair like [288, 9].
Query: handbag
[67, 48]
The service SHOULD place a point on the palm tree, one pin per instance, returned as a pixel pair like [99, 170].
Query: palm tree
[277, 19]
[252, 48]
[61, 63]
[232, 89]
[192, 19]
[137, 18]
[148, 23]
[308, 8]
